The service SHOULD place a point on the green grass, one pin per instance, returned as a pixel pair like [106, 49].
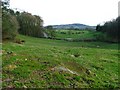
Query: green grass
[75, 34]
[37, 63]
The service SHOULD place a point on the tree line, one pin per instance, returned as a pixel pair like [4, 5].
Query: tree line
[19, 22]
[109, 31]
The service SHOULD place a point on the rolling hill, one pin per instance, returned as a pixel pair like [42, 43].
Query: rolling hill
[73, 26]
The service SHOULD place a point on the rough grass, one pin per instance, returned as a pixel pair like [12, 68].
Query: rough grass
[37, 64]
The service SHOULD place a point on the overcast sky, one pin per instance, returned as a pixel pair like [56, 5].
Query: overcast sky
[53, 12]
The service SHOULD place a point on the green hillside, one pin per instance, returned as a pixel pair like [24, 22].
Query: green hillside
[46, 63]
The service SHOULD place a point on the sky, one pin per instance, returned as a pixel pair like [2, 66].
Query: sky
[56, 12]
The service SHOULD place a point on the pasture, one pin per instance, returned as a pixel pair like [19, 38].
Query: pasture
[75, 34]
[46, 63]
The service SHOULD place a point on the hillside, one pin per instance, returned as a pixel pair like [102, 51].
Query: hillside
[73, 26]
[45, 63]
[72, 56]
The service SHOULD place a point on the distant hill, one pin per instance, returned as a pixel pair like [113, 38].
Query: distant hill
[73, 26]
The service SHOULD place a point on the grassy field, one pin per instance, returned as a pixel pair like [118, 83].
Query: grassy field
[45, 63]
[75, 34]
